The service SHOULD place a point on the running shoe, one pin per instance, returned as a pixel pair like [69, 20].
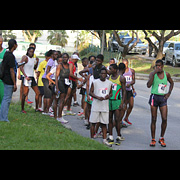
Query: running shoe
[70, 113]
[51, 114]
[40, 109]
[153, 143]
[161, 141]
[80, 113]
[24, 112]
[124, 124]
[62, 120]
[118, 142]
[107, 143]
[127, 121]
[110, 141]
[28, 101]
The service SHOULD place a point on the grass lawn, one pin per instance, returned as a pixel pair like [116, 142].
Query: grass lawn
[34, 131]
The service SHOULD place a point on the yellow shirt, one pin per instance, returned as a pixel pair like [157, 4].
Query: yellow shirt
[41, 69]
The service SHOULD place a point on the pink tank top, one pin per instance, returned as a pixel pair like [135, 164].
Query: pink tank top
[128, 76]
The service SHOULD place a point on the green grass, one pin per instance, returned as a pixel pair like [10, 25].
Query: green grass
[34, 131]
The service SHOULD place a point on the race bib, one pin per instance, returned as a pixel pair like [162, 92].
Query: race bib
[128, 78]
[103, 92]
[114, 87]
[67, 81]
[162, 88]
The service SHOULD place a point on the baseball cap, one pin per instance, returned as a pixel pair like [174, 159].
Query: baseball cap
[75, 56]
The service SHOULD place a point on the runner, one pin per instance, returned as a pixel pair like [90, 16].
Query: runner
[47, 92]
[62, 85]
[116, 102]
[40, 73]
[28, 79]
[158, 98]
[130, 80]
[101, 91]
[73, 78]
[2, 52]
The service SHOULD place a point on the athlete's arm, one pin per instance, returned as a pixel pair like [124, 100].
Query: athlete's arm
[24, 59]
[58, 69]
[123, 84]
[166, 96]
[151, 77]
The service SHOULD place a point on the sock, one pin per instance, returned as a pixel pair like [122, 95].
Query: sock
[104, 140]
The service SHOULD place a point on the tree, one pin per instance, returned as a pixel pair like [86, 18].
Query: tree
[99, 35]
[31, 35]
[58, 37]
[162, 37]
[126, 47]
[7, 35]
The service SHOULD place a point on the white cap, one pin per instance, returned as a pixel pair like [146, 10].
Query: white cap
[75, 56]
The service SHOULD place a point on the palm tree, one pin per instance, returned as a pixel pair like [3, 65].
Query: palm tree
[57, 37]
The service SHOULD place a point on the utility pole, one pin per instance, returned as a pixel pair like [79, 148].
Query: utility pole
[102, 44]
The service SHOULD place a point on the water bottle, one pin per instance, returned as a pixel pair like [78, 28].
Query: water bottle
[134, 94]
[57, 96]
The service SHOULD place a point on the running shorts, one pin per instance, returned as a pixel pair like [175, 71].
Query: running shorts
[102, 117]
[114, 104]
[157, 100]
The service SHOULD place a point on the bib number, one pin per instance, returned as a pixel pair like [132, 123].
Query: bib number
[67, 81]
[103, 92]
[162, 88]
[114, 87]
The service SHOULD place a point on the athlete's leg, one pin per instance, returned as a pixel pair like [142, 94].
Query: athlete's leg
[164, 111]
[153, 120]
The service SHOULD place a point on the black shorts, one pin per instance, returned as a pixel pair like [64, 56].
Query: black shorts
[62, 86]
[157, 100]
[82, 91]
[41, 90]
[33, 83]
[47, 91]
[129, 94]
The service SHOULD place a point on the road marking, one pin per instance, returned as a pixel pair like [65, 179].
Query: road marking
[142, 97]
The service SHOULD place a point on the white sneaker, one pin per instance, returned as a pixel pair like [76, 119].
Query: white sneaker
[51, 114]
[106, 143]
[62, 120]
[51, 109]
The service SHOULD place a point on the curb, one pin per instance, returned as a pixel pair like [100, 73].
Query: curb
[146, 77]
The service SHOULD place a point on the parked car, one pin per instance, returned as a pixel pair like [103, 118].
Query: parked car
[172, 54]
[165, 47]
[113, 45]
[140, 48]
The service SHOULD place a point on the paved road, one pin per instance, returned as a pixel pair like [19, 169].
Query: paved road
[137, 136]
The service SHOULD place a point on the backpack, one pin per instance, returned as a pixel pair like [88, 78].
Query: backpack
[1, 70]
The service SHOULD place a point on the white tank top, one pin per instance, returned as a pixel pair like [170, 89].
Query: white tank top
[101, 89]
[29, 67]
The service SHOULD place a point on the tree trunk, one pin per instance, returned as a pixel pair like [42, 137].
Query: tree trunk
[159, 54]
[125, 51]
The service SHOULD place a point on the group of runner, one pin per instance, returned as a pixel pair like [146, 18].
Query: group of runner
[107, 93]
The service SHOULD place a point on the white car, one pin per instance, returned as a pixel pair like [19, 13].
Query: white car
[172, 54]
